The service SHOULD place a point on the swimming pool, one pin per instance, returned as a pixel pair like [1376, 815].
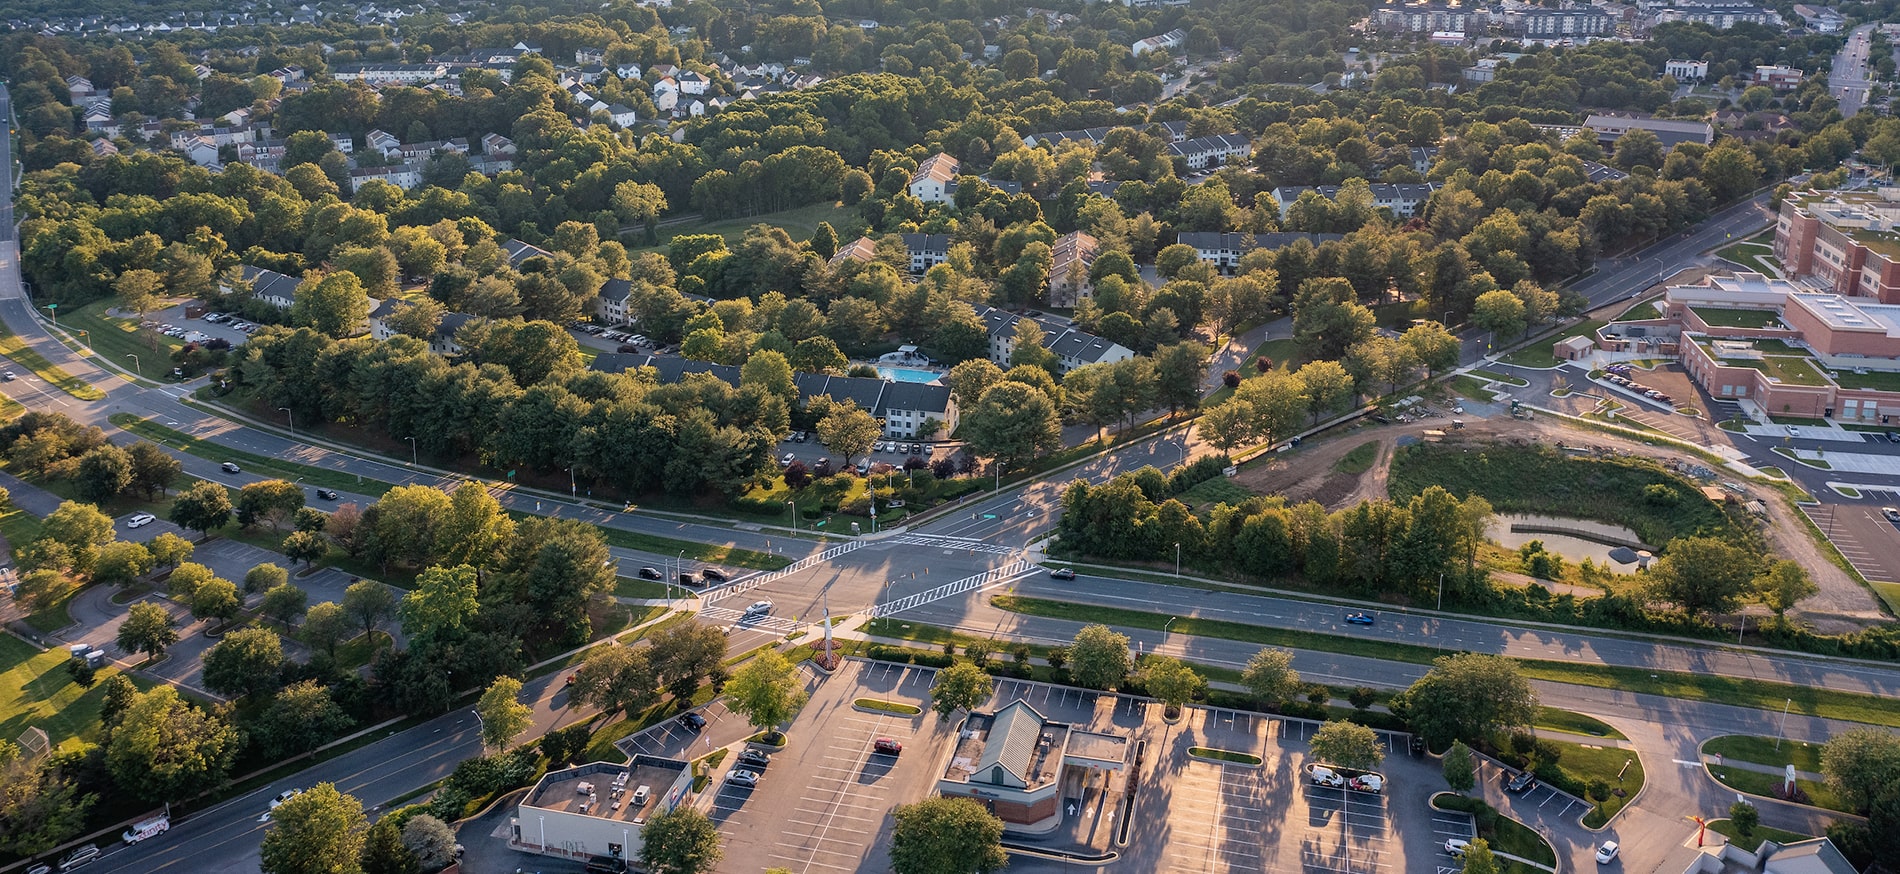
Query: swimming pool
[906, 374]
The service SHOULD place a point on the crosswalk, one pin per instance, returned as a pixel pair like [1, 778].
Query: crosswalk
[992, 577]
[746, 584]
[944, 541]
[737, 619]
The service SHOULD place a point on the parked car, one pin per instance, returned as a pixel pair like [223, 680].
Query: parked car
[747, 779]
[1372, 783]
[651, 573]
[1456, 847]
[626, 347]
[1892, 514]
[755, 759]
[230, 467]
[80, 856]
[1062, 573]
[1360, 618]
[140, 520]
[41, 868]
[885, 746]
[714, 574]
[1523, 781]
[327, 494]
[691, 721]
[1324, 776]
[1607, 852]
[1794, 431]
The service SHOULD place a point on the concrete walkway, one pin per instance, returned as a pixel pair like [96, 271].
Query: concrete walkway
[1715, 761]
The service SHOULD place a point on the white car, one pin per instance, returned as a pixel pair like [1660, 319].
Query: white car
[284, 796]
[759, 608]
[1606, 852]
[140, 520]
[1457, 846]
[1794, 431]
[743, 778]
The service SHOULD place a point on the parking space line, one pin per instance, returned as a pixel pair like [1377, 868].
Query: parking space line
[813, 862]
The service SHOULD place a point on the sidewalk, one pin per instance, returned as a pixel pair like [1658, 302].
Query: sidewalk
[1714, 761]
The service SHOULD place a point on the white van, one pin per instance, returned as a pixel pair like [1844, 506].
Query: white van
[150, 828]
[1324, 776]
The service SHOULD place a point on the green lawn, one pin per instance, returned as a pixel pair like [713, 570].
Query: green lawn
[1538, 353]
[1224, 755]
[1505, 378]
[1761, 833]
[253, 463]
[1359, 460]
[630, 587]
[1641, 310]
[1470, 387]
[1766, 751]
[36, 692]
[115, 339]
[20, 353]
[1878, 380]
[800, 223]
[1758, 783]
[1787, 369]
[1752, 256]
[1736, 317]
[1575, 723]
[1828, 703]
[708, 553]
[1284, 353]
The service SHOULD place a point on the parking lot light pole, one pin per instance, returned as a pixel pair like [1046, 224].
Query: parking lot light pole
[288, 417]
[1441, 590]
[135, 363]
[794, 506]
[415, 460]
[1177, 560]
[1782, 726]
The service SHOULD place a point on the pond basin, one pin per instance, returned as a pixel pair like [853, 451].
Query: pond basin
[1574, 539]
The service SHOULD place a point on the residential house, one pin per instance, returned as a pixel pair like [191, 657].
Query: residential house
[1071, 257]
[1720, 17]
[627, 72]
[623, 115]
[1224, 251]
[79, 87]
[1812, 856]
[1073, 347]
[202, 150]
[862, 250]
[496, 144]
[376, 75]
[1820, 19]
[1208, 152]
[343, 143]
[270, 286]
[610, 305]
[404, 176]
[585, 56]
[693, 83]
[1543, 23]
[1430, 17]
[381, 141]
[902, 408]
[1778, 77]
[666, 94]
[519, 252]
[1403, 200]
[103, 147]
[927, 250]
[931, 182]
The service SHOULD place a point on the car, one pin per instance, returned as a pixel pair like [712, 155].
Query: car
[714, 574]
[691, 721]
[1372, 783]
[85, 855]
[651, 573]
[140, 520]
[755, 759]
[1607, 852]
[1324, 776]
[1416, 745]
[8, 376]
[40, 869]
[758, 608]
[230, 467]
[284, 796]
[687, 579]
[886, 746]
[327, 494]
[747, 779]
[1359, 618]
[1794, 431]
[798, 437]
[787, 459]
[627, 347]
[1523, 781]
[1062, 573]
[1892, 514]
[1456, 847]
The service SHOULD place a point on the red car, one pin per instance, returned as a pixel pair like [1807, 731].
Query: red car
[885, 746]
[570, 679]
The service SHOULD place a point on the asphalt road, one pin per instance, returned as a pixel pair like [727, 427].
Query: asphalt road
[1849, 80]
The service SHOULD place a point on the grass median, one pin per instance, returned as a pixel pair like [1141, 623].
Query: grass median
[16, 349]
[1827, 703]
[252, 462]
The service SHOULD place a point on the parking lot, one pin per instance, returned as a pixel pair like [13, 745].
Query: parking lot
[1863, 536]
[823, 803]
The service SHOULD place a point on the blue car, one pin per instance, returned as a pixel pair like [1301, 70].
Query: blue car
[1359, 619]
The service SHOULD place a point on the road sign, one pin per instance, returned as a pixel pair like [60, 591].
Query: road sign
[989, 515]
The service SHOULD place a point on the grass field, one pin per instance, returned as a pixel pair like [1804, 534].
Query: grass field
[1582, 764]
[1224, 755]
[708, 553]
[114, 339]
[16, 350]
[1538, 354]
[1359, 460]
[1758, 783]
[1802, 755]
[1471, 387]
[36, 692]
[1761, 833]
[1505, 378]
[800, 223]
[1734, 317]
[1575, 723]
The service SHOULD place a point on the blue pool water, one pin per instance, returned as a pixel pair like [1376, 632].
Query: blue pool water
[905, 374]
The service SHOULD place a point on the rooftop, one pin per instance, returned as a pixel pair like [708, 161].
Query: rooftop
[606, 790]
[1015, 746]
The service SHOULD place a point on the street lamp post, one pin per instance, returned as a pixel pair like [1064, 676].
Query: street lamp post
[1782, 726]
[573, 488]
[415, 460]
[54, 309]
[135, 363]
[793, 504]
[999, 476]
[1177, 560]
[1441, 590]
[288, 417]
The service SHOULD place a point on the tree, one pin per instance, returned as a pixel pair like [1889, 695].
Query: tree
[766, 691]
[1012, 423]
[474, 529]
[319, 831]
[962, 686]
[1745, 817]
[40, 808]
[335, 306]
[1270, 676]
[679, 841]
[1227, 424]
[121, 563]
[430, 840]
[273, 501]
[104, 473]
[83, 673]
[684, 654]
[1784, 584]
[383, 852]
[1099, 658]
[816, 355]
[300, 718]
[1639, 148]
[166, 749]
[502, 716]
[1479, 859]
[1348, 745]
[247, 662]
[1863, 764]
[325, 626]
[1499, 312]
[1460, 770]
[1468, 697]
[440, 607]
[1435, 347]
[170, 550]
[616, 678]
[153, 469]
[1329, 388]
[370, 604]
[306, 547]
[1702, 574]
[138, 290]
[81, 528]
[148, 629]
[1179, 371]
[201, 508]
[1328, 320]
[217, 599]
[1171, 681]
[848, 430]
[265, 577]
[946, 836]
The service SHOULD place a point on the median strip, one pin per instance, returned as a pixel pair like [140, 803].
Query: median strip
[259, 464]
[16, 349]
[1826, 703]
